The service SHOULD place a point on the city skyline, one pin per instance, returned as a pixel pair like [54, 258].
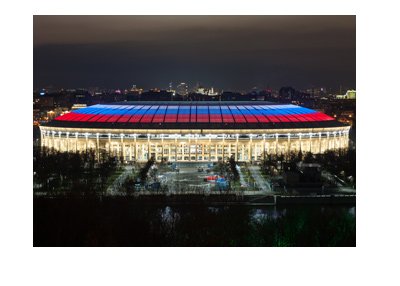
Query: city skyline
[227, 52]
[194, 131]
[193, 88]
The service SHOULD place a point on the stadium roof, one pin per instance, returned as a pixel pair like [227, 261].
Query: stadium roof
[195, 115]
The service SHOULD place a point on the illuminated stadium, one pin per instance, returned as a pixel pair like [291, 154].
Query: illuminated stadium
[194, 131]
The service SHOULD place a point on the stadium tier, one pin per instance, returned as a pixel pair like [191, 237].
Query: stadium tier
[194, 131]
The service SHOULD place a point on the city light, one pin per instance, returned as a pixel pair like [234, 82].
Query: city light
[152, 131]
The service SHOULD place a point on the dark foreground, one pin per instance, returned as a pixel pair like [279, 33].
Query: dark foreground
[122, 222]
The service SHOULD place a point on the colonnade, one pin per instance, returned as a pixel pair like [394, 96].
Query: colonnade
[192, 149]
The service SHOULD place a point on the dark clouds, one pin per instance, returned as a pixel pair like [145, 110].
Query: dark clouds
[230, 52]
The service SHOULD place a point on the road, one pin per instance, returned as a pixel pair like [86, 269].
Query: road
[262, 183]
[241, 177]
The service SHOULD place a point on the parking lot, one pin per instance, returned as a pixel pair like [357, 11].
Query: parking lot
[187, 177]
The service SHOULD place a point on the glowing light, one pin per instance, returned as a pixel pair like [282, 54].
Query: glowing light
[172, 113]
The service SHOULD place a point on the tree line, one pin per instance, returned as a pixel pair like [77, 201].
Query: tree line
[69, 173]
[341, 162]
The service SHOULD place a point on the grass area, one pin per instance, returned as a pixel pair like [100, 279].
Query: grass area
[265, 176]
[235, 185]
[114, 176]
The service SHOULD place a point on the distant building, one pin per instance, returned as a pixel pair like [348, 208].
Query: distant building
[171, 89]
[350, 94]
[136, 90]
[287, 93]
[182, 89]
[44, 102]
[134, 93]
[201, 90]
[78, 106]
[206, 91]
[211, 92]
[316, 92]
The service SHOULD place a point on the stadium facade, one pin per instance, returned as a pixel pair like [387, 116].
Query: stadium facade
[194, 131]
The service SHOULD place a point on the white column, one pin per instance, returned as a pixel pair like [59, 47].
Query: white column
[334, 140]
[97, 147]
[109, 144]
[264, 147]
[86, 141]
[328, 141]
[176, 148]
[148, 147]
[301, 147]
[136, 148]
[250, 149]
[59, 141]
[190, 148]
[122, 148]
[155, 150]
[162, 146]
[237, 146]
[67, 141]
[197, 159]
[76, 141]
[223, 147]
[319, 138]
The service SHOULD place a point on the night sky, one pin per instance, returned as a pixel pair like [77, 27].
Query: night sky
[227, 52]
